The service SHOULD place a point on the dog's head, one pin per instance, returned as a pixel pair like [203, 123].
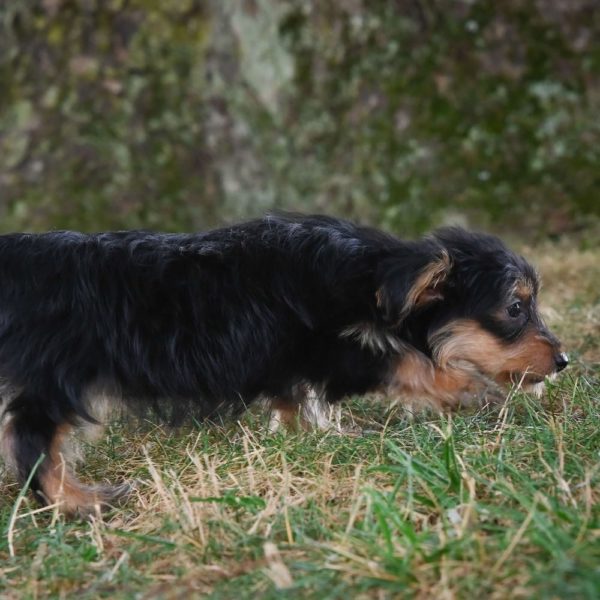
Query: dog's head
[468, 298]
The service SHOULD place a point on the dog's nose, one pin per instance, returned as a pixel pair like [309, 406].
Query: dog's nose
[561, 360]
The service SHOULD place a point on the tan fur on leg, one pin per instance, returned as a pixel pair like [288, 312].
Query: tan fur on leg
[283, 415]
[61, 487]
[307, 412]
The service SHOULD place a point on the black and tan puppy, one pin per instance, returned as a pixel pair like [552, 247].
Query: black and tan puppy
[202, 325]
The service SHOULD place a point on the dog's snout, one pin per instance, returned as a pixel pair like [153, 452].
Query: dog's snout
[561, 360]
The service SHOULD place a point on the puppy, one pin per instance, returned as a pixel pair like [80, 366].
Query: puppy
[300, 310]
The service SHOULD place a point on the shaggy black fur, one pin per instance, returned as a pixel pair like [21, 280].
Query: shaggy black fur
[201, 324]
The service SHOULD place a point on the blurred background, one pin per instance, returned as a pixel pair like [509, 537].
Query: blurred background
[183, 114]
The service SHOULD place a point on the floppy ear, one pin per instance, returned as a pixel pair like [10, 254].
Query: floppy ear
[409, 283]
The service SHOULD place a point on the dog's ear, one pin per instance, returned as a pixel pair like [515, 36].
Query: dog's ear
[411, 282]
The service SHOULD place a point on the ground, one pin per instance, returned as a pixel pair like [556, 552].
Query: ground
[500, 502]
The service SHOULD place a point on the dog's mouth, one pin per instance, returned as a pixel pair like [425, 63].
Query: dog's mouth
[533, 383]
[520, 378]
[528, 378]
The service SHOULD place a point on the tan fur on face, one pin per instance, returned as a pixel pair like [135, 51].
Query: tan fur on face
[466, 340]
[524, 289]
[417, 376]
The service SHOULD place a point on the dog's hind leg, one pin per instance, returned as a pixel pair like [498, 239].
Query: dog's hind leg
[33, 440]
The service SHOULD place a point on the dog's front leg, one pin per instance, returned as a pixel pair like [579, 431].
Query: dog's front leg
[306, 410]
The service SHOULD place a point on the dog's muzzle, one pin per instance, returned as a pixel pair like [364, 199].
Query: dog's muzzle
[561, 361]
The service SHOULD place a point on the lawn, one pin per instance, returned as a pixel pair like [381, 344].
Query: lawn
[501, 502]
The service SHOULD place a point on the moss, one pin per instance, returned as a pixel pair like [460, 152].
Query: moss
[178, 115]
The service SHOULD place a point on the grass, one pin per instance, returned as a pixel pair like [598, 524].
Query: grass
[500, 502]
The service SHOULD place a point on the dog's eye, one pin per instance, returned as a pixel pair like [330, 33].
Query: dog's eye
[514, 310]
